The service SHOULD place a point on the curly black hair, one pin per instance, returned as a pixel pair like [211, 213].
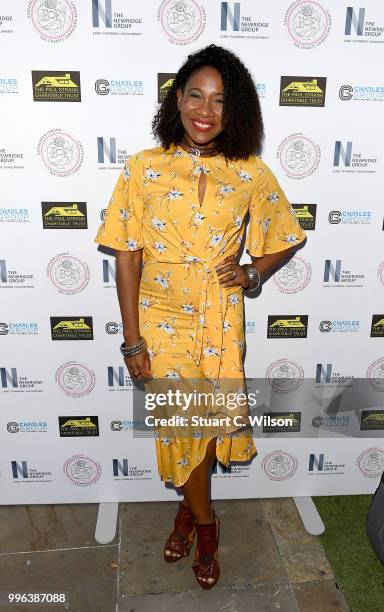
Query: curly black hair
[243, 132]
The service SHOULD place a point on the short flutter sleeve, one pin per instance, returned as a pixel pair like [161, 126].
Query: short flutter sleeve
[273, 224]
[122, 228]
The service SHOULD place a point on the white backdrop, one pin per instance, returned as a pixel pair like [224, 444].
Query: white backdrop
[324, 142]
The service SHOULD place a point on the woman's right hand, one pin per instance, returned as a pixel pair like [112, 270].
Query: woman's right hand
[139, 366]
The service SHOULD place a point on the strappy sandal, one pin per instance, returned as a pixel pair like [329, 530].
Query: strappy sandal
[206, 564]
[179, 543]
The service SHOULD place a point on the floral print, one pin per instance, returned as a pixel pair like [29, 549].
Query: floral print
[193, 326]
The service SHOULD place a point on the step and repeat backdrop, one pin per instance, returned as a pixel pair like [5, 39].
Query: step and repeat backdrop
[80, 81]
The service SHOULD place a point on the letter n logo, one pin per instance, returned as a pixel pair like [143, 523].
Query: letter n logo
[344, 154]
[232, 16]
[316, 462]
[105, 151]
[105, 14]
[357, 22]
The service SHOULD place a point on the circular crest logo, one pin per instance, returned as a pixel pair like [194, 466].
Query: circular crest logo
[380, 273]
[285, 376]
[371, 462]
[317, 421]
[299, 156]
[182, 21]
[375, 374]
[13, 427]
[294, 276]
[116, 425]
[279, 465]
[308, 23]
[54, 20]
[68, 274]
[60, 152]
[75, 379]
[82, 470]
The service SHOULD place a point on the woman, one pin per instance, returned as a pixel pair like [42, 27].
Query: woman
[176, 221]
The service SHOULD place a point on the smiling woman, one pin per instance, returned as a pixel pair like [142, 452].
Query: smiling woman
[176, 220]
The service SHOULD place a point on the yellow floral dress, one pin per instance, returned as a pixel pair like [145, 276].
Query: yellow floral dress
[193, 326]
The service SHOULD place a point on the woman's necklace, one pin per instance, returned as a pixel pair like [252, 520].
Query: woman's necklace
[200, 151]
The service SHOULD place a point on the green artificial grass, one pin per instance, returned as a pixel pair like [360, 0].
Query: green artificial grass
[358, 570]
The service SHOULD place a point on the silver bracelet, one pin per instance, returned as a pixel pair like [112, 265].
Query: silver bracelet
[133, 349]
[253, 275]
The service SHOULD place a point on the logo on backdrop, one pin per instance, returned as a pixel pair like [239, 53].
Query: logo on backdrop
[113, 328]
[380, 272]
[14, 215]
[12, 382]
[11, 159]
[346, 159]
[6, 24]
[294, 276]
[375, 374]
[71, 328]
[339, 325]
[75, 379]
[54, 20]
[109, 156]
[19, 328]
[319, 465]
[27, 427]
[332, 420]
[60, 152]
[302, 91]
[182, 21]
[119, 379]
[68, 274]
[377, 326]
[306, 214]
[64, 215]
[271, 422]
[11, 278]
[359, 93]
[109, 273]
[371, 462]
[81, 470]
[326, 375]
[350, 217]
[122, 470]
[164, 82]
[308, 23]
[55, 86]
[78, 426]
[299, 156]
[125, 424]
[372, 420]
[361, 28]
[233, 471]
[119, 87]
[8, 85]
[337, 276]
[240, 25]
[287, 326]
[284, 375]
[21, 472]
[109, 18]
[279, 465]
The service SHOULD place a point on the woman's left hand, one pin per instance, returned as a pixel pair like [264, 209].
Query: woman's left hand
[230, 273]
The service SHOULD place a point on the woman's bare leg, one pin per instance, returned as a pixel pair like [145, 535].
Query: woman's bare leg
[196, 489]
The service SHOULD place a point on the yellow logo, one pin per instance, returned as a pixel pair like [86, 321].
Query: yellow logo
[374, 417]
[304, 86]
[77, 324]
[303, 212]
[379, 323]
[79, 423]
[167, 84]
[64, 211]
[288, 323]
[57, 81]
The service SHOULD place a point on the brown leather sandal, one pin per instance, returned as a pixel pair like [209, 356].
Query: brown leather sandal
[179, 543]
[206, 564]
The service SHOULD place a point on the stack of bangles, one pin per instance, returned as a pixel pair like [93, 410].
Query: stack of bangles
[133, 349]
